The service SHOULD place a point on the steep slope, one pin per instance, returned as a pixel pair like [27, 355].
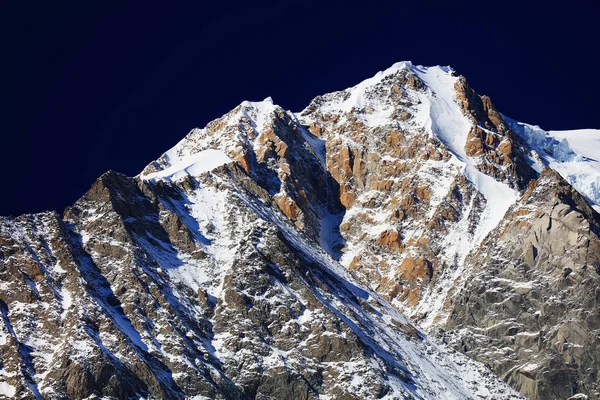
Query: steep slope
[177, 286]
[529, 305]
[426, 170]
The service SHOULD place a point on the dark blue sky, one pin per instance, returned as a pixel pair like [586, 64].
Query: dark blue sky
[93, 86]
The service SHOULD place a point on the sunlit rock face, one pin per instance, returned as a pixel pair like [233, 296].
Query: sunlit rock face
[355, 249]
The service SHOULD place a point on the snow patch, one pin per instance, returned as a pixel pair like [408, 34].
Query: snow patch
[195, 164]
[7, 390]
[67, 301]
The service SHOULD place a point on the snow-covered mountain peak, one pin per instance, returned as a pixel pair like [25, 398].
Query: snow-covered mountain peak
[398, 67]
[268, 101]
[259, 112]
[373, 93]
[273, 254]
[226, 135]
[376, 101]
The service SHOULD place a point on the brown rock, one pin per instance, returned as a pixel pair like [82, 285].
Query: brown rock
[390, 239]
[287, 206]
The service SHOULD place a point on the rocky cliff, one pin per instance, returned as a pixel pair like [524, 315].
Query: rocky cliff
[355, 249]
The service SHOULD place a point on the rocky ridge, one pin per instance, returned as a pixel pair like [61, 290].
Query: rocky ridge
[271, 254]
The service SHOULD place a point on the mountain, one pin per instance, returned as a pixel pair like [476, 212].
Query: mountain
[400, 239]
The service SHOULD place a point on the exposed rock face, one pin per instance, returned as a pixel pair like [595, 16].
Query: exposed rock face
[200, 288]
[502, 154]
[529, 307]
[282, 271]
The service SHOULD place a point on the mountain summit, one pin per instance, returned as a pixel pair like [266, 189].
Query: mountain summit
[400, 239]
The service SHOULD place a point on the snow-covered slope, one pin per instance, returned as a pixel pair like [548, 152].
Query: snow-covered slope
[440, 114]
[194, 164]
[416, 105]
[211, 292]
[574, 154]
[584, 142]
[279, 254]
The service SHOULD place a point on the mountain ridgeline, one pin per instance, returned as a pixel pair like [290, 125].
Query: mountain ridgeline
[400, 239]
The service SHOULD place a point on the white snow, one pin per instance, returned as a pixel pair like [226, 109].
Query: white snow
[584, 142]
[209, 210]
[574, 154]
[530, 367]
[67, 301]
[440, 114]
[583, 172]
[195, 164]
[7, 390]
[584, 176]
[373, 112]
[58, 268]
[437, 113]
[213, 220]
[357, 97]
[258, 112]
[543, 142]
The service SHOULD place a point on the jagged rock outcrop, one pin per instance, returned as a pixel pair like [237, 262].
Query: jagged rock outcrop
[502, 153]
